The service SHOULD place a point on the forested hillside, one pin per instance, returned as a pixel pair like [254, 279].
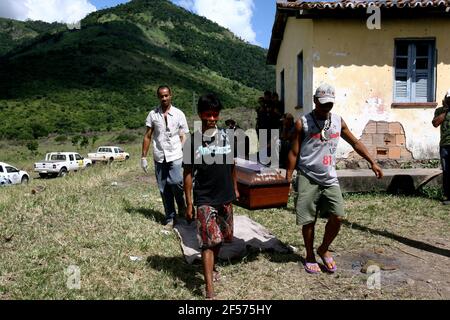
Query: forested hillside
[14, 33]
[104, 76]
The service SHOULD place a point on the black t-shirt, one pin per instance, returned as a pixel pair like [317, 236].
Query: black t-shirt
[212, 164]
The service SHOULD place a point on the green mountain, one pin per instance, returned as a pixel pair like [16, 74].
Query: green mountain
[104, 76]
[14, 33]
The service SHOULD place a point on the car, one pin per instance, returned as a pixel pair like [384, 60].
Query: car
[12, 175]
[4, 181]
[60, 164]
[108, 154]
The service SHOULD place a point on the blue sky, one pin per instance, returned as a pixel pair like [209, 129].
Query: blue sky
[263, 18]
[251, 20]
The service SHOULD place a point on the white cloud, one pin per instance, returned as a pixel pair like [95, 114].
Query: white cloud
[46, 10]
[235, 15]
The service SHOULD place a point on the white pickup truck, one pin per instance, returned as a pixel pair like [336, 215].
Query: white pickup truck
[60, 163]
[108, 154]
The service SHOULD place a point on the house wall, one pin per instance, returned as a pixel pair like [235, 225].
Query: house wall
[298, 38]
[359, 63]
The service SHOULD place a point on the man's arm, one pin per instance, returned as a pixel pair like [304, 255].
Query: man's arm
[360, 148]
[437, 121]
[184, 129]
[146, 142]
[295, 149]
[187, 185]
[182, 138]
[145, 147]
[233, 174]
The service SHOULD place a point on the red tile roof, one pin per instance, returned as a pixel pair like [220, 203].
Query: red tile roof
[355, 4]
[349, 8]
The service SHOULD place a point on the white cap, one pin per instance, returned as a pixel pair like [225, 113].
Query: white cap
[325, 93]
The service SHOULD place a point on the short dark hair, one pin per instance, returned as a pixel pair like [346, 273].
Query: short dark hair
[209, 102]
[163, 87]
[267, 93]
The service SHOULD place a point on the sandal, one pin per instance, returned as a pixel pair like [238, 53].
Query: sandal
[329, 261]
[312, 267]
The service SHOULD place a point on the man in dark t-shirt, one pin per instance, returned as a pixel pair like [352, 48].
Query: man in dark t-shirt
[208, 162]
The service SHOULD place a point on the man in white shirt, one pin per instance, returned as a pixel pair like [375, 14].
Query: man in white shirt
[166, 129]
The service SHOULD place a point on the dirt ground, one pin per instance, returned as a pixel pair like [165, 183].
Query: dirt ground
[422, 271]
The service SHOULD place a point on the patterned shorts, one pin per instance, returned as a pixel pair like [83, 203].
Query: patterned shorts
[214, 225]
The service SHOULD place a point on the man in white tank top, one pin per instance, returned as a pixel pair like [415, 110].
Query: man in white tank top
[313, 155]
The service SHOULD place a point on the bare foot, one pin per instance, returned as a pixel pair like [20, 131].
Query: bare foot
[210, 296]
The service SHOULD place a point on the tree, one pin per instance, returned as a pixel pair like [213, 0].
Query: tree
[94, 140]
[75, 140]
[32, 146]
[84, 142]
[61, 139]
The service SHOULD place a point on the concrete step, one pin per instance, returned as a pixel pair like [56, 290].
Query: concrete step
[405, 181]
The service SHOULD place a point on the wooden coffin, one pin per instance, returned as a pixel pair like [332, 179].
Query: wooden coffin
[259, 186]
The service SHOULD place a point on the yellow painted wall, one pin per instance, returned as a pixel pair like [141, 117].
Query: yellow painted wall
[359, 63]
[298, 38]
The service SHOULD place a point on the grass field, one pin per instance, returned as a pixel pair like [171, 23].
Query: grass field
[98, 218]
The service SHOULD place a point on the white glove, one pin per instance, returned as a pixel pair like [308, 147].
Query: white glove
[144, 165]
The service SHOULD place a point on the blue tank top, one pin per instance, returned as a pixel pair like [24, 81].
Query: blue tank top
[317, 158]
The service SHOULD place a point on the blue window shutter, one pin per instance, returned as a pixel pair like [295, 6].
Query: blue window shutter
[420, 76]
[402, 75]
[431, 64]
[421, 87]
[416, 83]
[401, 86]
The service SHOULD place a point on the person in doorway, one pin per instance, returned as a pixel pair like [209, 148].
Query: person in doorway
[313, 155]
[277, 105]
[287, 134]
[241, 140]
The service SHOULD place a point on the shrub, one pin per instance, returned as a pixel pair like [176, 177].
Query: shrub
[32, 145]
[75, 140]
[125, 138]
[61, 139]
[84, 142]
[94, 139]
